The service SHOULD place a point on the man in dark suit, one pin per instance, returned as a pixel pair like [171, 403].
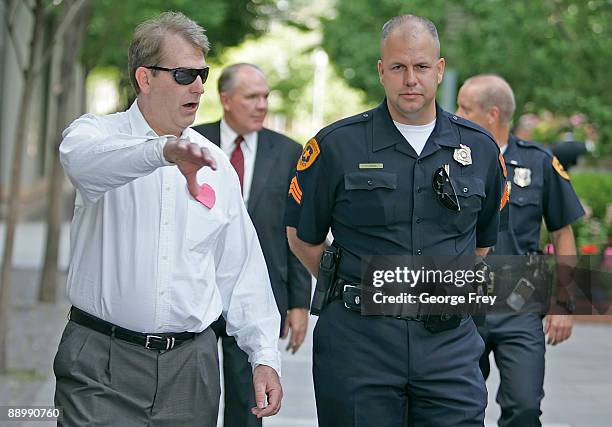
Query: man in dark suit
[264, 161]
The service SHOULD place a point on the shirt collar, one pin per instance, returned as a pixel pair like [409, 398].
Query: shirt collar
[228, 136]
[512, 154]
[386, 133]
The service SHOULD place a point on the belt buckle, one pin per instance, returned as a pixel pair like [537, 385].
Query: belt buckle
[150, 338]
[357, 297]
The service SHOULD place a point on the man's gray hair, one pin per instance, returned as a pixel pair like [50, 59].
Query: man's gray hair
[147, 47]
[417, 24]
[227, 81]
[494, 91]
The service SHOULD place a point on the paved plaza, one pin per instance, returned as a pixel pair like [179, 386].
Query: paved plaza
[578, 382]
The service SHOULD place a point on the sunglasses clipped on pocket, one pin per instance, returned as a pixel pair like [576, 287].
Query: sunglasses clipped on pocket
[184, 76]
[441, 184]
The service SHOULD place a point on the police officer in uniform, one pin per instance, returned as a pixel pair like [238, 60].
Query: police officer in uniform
[540, 189]
[370, 179]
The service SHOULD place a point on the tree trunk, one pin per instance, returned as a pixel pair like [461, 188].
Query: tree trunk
[15, 183]
[71, 45]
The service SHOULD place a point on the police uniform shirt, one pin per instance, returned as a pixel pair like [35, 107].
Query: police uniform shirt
[360, 177]
[540, 187]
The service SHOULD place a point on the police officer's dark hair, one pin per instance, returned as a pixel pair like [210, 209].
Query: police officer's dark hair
[398, 21]
[227, 81]
[494, 91]
[147, 47]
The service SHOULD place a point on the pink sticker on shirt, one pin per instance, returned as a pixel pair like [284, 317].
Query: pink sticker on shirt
[207, 196]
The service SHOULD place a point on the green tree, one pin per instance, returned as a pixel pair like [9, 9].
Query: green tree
[227, 22]
[553, 52]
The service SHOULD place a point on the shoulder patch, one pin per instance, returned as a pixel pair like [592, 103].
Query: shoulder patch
[556, 164]
[309, 155]
[295, 191]
[503, 164]
[505, 196]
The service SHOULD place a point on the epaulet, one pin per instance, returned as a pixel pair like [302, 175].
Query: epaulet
[361, 117]
[470, 125]
[534, 145]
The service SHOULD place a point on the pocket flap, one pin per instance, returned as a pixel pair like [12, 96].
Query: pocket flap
[523, 197]
[370, 180]
[467, 186]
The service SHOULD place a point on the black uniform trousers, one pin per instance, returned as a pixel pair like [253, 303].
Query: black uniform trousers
[387, 372]
[517, 343]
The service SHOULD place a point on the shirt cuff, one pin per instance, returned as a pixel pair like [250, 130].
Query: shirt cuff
[269, 358]
[158, 151]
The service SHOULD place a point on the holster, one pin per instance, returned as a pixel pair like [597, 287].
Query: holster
[479, 311]
[325, 280]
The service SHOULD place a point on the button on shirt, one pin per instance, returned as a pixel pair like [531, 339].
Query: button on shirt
[249, 149]
[146, 255]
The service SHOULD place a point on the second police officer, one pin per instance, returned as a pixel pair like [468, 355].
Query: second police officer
[540, 189]
[371, 179]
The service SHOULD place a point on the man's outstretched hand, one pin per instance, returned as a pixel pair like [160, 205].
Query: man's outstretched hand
[189, 158]
[267, 384]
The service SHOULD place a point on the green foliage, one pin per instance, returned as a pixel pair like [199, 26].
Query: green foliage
[595, 228]
[288, 56]
[352, 38]
[227, 22]
[595, 189]
[553, 52]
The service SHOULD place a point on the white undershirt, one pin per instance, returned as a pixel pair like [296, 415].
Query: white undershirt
[416, 135]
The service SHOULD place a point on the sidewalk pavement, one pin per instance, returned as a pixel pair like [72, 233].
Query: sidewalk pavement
[578, 383]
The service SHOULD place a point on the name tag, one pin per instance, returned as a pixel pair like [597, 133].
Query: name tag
[370, 165]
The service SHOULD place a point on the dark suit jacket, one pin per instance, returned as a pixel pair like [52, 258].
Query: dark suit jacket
[275, 162]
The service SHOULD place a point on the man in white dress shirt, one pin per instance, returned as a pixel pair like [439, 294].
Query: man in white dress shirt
[162, 245]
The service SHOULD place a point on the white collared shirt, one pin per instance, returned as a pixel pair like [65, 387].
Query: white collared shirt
[249, 150]
[147, 256]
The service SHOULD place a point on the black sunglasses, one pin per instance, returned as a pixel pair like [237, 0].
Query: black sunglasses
[439, 183]
[184, 76]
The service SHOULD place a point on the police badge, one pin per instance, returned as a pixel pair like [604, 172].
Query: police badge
[522, 177]
[463, 155]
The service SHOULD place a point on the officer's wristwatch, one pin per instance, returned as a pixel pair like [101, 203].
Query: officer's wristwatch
[569, 305]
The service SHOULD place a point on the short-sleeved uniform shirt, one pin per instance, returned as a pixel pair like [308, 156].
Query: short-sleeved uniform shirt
[362, 179]
[540, 188]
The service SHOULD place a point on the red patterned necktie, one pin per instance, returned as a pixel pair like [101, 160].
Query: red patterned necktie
[237, 159]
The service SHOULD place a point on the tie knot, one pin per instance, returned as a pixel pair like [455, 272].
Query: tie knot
[239, 139]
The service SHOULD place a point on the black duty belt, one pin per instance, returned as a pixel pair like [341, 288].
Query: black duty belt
[161, 341]
[352, 295]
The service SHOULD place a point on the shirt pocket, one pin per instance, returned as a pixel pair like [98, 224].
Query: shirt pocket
[525, 208]
[369, 197]
[203, 226]
[470, 194]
